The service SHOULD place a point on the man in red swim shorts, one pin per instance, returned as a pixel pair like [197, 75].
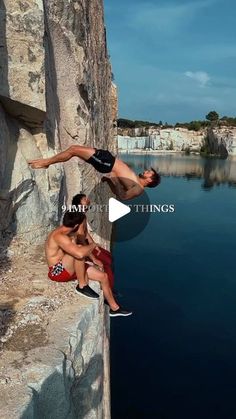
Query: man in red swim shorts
[66, 261]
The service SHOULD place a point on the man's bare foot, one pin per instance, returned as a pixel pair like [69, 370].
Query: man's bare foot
[38, 164]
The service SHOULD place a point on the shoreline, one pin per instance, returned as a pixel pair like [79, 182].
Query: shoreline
[162, 152]
[150, 151]
[175, 152]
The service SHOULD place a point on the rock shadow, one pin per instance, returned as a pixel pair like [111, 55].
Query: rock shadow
[65, 396]
[7, 154]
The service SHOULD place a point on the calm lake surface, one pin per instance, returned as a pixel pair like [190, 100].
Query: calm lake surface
[175, 358]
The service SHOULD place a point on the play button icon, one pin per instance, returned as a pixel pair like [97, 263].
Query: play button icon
[106, 217]
[117, 210]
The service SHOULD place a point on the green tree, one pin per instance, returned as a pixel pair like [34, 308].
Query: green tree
[212, 116]
[125, 123]
[194, 125]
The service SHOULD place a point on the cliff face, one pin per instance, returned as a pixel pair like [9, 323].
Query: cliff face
[163, 139]
[55, 90]
[218, 140]
[222, 141]
[55, 358]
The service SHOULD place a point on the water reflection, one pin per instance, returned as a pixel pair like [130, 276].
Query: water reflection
[213, 171]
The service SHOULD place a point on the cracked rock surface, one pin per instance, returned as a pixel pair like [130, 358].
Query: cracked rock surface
[54, 345]
[55, 91]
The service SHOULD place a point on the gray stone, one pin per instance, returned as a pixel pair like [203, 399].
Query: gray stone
[55, 90]
[22, 87]
[55, 358]
[222, 141]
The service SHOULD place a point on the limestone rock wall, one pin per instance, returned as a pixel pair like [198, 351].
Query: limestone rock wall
[162, 139]
[222, 141]
[219, 140]
[55, 358]
[55, 90]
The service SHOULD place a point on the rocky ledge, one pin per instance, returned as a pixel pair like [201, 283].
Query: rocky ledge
[55, 362]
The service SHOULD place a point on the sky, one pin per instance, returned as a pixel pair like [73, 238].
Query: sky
[173, 60]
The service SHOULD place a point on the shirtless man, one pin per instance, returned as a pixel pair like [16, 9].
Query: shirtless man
[102, 258]
[66, 262]
[122, 180]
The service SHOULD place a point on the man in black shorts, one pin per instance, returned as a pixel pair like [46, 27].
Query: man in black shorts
[102, 160]
[122, 179]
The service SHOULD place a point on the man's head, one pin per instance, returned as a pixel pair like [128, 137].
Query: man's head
[73, 219]
[150, 178]
[80, 199]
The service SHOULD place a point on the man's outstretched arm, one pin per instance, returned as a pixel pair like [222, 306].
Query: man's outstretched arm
[117, 188]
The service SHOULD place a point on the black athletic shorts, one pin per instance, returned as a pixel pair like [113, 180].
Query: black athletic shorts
[102, 160]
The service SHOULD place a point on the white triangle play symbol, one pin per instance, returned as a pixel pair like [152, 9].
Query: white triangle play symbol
[117, 210]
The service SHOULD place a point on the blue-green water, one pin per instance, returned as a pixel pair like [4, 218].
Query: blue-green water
[176, 356]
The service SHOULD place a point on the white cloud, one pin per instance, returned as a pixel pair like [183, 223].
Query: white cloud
[200, 76]
[164, 94]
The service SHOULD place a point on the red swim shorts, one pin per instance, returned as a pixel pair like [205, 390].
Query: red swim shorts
[60, 274]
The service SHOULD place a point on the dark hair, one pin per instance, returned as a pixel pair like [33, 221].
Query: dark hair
[71, 219]
[156, 179]
[76, 200]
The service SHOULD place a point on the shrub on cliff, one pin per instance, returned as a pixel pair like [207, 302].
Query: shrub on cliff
[128, 123]
[193, 125]
[139, 124]
[228, 120]
[125, 123]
